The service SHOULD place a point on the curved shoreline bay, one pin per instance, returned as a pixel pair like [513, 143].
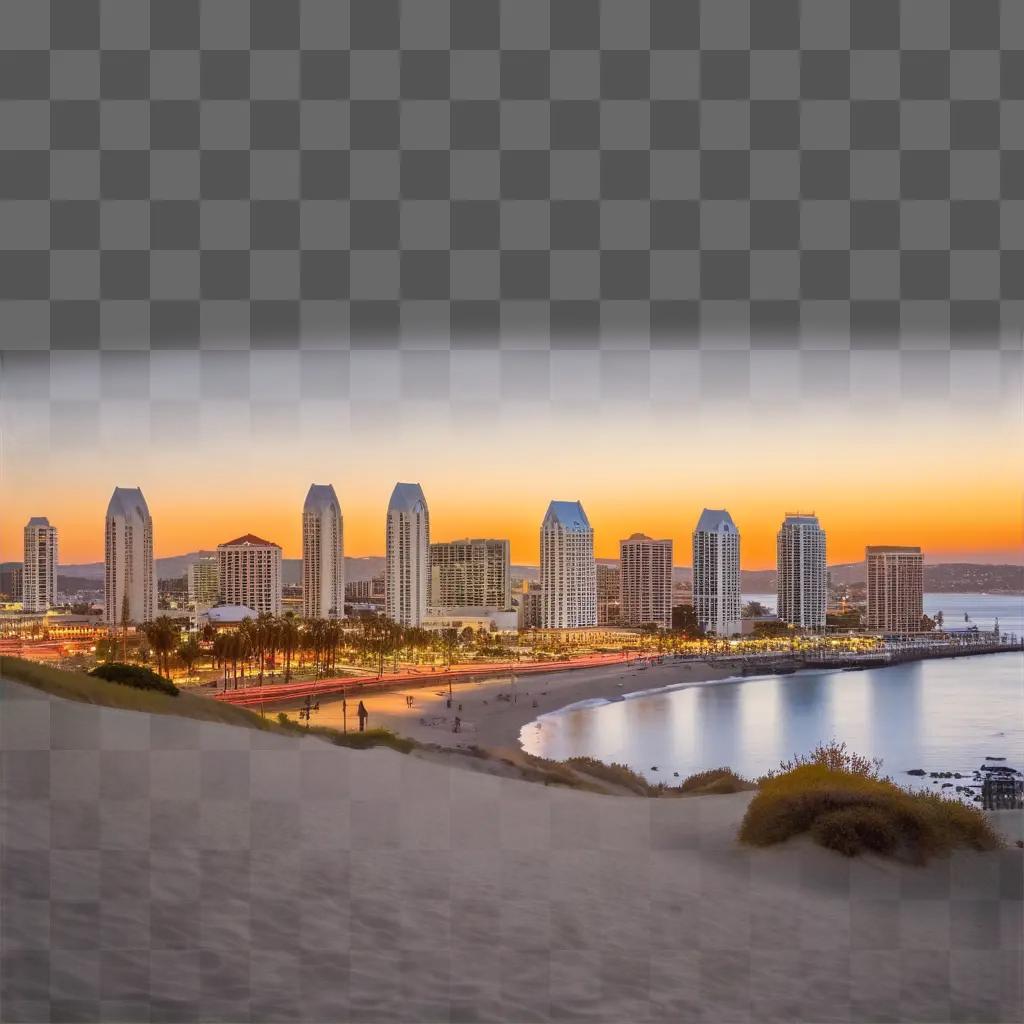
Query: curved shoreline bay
[939, 715]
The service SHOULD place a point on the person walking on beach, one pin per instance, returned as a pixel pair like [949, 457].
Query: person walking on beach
[363, 715]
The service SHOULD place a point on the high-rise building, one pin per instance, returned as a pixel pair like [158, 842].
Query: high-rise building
[470, 574]
[609, 597]
[895, 588]
[716, 573]
[11, 577]
[202, 582]
[529, 605]
[371, 590]
[802, 579]
[568, 572]
[323, 555]
[39, 569]
[249, 573]
[407, 556]
[129, 572]
[646, 581]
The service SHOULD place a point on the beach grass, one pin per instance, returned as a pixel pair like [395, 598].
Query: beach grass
[715, 782]
[854, 813]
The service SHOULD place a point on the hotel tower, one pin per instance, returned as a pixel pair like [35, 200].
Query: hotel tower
[129, 573]
[895, 588]
[802, 581]
[323, 555]
[407, 556]
[249, 573]
[568, 572]
[646, 581]
[39, 569]
[716, 572]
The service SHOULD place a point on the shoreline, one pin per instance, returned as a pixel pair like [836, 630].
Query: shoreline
[492, 722]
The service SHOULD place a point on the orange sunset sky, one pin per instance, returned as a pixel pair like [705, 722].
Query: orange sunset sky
[948, 481]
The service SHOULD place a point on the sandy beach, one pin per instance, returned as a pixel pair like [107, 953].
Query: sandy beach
[487, 719]
[164, 868]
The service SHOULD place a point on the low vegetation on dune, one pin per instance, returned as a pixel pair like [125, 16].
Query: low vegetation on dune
[841, 800]
[716, 781]
[354, 740]
[137, 676]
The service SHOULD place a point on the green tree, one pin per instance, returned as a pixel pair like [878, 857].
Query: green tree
[189, 653]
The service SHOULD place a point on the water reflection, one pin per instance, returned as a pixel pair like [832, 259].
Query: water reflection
[936, 715]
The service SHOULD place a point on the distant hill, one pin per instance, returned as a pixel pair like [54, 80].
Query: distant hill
[89, 574]
[945, 577]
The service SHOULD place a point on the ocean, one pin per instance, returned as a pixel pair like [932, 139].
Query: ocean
[939, 715]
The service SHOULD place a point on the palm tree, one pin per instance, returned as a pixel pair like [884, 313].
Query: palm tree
[162, 635]
[288, 638]
[189, 653]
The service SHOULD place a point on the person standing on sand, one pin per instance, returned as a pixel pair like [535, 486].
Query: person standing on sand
[363, 715]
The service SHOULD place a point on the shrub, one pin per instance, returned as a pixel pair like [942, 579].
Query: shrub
[714, 781]
[615, 773]
[853, 811]
[134, 675]
[835, 757]
[853, 830]
[373, 738]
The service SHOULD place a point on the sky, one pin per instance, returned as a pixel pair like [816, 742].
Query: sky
[947, 479]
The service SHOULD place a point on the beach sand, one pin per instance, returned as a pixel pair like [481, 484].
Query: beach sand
[493, 723]
[162, 868]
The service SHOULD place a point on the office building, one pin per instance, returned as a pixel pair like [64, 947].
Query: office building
[323, 555]
[716, 573]
[129, 572]
[407, 556]
[609, 598]
[646, 581]
[470, 573]
[895, 588]
[528, 602]
[39, 568]
[568, 571]
[202, 582]
[249, 574]
[802, 578]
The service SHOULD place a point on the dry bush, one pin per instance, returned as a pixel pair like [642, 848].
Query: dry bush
[715, 781]
[855, 811]
[834, 756]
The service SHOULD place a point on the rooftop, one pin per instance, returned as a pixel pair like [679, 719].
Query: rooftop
[126, 501]
[716, 520]
[319, 497]
[405, 498]
[38, 521]
[249, 540]
[568, 514]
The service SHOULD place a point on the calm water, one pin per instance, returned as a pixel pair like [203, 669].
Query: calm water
[942, 715]
[983, 609]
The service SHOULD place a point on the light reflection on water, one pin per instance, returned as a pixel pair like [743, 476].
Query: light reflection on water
[942, 715]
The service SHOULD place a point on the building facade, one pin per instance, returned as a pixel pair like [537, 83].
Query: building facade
[470, 573]
[568, 572]
[11, 578]
[249, 574]
[39, 567]
[365, 590]
[129, 572]
[716, 573]
[646, 581]
[407, 556]
[323, 555]
[529, 605]
[802, 576]
[202, 582]
[895, 588]
[609, 597]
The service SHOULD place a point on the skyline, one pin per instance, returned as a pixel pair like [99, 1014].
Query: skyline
[939, 474]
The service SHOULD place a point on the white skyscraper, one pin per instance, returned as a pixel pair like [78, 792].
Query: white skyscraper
[802, 583]
[249, 573]
[716, 572]
[129, 570]
[646, 581]
[323, 555]
[407, 561]
[39, 570]
[568, 572]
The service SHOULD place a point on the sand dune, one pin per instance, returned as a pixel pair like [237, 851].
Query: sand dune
[161, 868]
